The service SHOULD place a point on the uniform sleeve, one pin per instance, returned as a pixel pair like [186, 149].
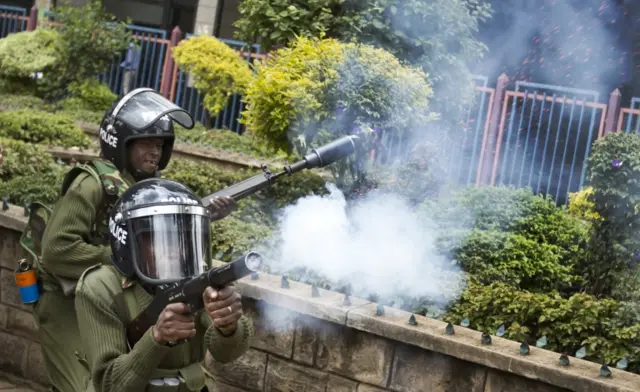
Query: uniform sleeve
[66, 251]
[113, 367]
[227, 348]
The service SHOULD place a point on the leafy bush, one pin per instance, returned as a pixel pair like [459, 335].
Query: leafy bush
[90, 95]
[218, 71]
[23, 159]
[74, 109]
[418, 177]
[22, 101]
[43, 187]
[42, 127]
[608, 329]
[517, 211]
[26, 53]
[318, 90]
[495, 256]
[614, 250]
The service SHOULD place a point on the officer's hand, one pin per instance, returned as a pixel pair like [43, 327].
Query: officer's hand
[221, 207]
[224, 307]
[173, 325]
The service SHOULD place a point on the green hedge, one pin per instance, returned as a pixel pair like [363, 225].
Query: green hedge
[41, 127]
[518, 211]
[608, 330]
[23, 159]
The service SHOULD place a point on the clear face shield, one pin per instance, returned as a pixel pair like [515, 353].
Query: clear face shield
[143, 107]
[170, 245]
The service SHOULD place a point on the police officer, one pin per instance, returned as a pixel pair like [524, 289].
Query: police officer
[160, 234]
[136, 141]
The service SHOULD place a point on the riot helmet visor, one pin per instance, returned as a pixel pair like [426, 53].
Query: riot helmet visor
[169, 247]
[144, 107]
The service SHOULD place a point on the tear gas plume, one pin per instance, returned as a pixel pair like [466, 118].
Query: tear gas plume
[377, 245]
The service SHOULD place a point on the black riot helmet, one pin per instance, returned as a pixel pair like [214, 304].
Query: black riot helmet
[159, 232]
[142, 113]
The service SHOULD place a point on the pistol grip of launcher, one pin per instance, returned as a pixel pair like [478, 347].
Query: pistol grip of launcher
[195, 304]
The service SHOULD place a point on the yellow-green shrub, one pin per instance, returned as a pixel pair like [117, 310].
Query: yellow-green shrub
[290, 88]
[320, 89]
[325, 86]
[218, 71]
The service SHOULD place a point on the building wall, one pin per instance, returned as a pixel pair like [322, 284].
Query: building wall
[316, 343]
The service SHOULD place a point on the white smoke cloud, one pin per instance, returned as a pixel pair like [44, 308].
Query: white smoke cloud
[379, 245]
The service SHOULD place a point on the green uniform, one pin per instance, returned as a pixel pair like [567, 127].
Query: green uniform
[74, 239]
[106, 302]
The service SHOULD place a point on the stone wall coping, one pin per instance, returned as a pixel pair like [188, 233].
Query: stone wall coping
[429, 334]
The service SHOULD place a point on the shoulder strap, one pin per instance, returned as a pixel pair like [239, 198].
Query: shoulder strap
[31, 238]
[103, 171]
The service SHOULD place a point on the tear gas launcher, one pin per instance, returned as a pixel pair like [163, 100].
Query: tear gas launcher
[318, 157]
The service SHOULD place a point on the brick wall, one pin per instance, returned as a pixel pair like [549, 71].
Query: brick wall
[316, 343]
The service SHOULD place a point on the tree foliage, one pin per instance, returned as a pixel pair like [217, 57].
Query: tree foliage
[90, 40]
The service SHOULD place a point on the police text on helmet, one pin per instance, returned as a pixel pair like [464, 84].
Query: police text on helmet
[118, 232]
[108, 138]
[179, 199]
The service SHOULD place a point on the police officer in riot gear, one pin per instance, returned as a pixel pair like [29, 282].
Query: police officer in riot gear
[160, 234]
[136, 141]
[142, 114]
